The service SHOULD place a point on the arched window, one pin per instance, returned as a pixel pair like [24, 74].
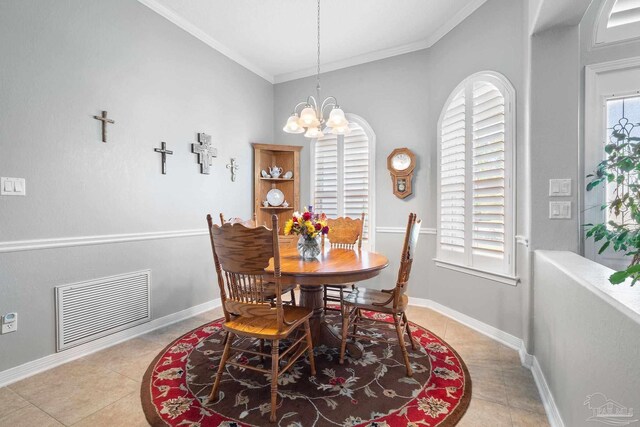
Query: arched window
[619, 20]
[343, 174]
[476, 145]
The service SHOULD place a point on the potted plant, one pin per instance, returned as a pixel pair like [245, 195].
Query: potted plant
[618, 173]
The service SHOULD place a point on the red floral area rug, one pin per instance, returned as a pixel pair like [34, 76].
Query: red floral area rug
[370, 391]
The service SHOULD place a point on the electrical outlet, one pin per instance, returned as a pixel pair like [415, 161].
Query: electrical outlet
[9, 323]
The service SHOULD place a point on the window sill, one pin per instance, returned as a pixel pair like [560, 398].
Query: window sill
[496, 277]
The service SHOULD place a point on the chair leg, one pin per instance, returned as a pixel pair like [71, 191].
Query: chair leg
[355, 322]
[312, 362]
[403, 348]
[345, 330]
[275, 365]
[324, 298]
[225, 356]
[293, 298]
[406, 325]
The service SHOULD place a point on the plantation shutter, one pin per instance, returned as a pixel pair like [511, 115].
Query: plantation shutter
[475, 195]
[488, 179]
[356, 176]
[326, 175]
[452, 176]
[342, 178]
[624, 12]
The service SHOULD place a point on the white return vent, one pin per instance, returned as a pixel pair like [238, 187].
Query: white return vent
[89, 310]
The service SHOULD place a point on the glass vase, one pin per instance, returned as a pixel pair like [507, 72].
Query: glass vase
[309, 247]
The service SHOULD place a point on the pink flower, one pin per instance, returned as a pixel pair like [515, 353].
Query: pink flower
[318, 226]
[306, 216]
[325, 229]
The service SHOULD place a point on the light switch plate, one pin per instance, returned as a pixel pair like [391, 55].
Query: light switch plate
[559, 210]
[12, 186]
[559, 187]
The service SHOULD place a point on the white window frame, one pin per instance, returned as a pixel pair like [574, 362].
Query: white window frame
[368, 130]
[604, 81]
[507, 273]
[603, 35]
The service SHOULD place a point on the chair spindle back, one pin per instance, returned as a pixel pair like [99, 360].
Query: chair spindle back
[241, 255]
[406, 259]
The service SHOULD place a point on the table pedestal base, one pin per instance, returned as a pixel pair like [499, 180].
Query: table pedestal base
[321, 333]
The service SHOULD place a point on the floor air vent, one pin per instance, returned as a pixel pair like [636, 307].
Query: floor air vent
[89, 310]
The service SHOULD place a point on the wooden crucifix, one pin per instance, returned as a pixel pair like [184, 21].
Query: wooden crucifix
[234, 168]
[103, 118]
[164, 153]
[205, 152]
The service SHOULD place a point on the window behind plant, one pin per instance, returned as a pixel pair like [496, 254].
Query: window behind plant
[623, 117]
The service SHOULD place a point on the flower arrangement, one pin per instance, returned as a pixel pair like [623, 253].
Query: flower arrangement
[308, 224]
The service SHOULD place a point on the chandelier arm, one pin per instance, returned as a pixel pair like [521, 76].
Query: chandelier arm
[328, 102]
[300, 104]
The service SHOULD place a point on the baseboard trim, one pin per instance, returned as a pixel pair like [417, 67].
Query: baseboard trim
[33, 367]
[553, 414]
[528, 361]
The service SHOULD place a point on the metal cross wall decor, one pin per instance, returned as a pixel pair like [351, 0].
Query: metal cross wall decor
[205, 152]
[164, 153]
[103, 118]
[234, 168]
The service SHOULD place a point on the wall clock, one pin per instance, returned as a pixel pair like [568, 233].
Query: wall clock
[401, 163]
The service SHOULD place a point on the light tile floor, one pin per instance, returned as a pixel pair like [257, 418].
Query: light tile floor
[103, 389]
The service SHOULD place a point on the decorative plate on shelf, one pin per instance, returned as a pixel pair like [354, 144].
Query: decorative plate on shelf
[275, 197]
[288, 175]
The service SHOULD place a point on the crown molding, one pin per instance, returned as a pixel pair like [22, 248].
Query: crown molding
[377, 55]
[205, 38]
[440, 32]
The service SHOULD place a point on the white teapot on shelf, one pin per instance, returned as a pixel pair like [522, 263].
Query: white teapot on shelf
[275, 172]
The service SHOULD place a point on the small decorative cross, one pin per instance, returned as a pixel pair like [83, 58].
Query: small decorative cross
[103, 118]
[164, 153]
[205, 152]
[233, 167]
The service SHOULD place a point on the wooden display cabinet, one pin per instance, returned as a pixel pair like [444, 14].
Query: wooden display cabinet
[286, 157]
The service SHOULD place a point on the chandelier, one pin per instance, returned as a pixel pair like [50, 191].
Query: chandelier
[308, 116]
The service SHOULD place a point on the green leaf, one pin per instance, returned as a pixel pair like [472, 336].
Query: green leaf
[618, 277]
[604, 247]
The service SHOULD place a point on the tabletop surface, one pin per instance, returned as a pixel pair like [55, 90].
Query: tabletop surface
[331, 261]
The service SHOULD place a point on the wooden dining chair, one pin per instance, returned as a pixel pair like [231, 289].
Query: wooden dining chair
[393, 301]
[345, 233]
[241, 255]
[254, 223]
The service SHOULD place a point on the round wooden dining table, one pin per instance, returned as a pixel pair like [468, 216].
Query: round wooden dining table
[332, 267]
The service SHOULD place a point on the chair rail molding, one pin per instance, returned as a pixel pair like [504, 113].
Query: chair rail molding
[67, 242]
[402, 230]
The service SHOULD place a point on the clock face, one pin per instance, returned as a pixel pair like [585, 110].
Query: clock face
[401, 161]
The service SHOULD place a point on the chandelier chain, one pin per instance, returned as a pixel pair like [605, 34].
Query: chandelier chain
[318, 72]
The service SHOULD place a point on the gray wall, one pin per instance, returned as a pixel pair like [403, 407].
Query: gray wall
[61, 63]
[401, 98]
[591, 345]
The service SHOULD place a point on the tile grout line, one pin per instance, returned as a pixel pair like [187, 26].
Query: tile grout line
[113, 403]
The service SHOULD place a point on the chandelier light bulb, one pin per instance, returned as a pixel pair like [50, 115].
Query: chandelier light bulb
[293, 126]
[337, 118]
[308, 117]
[314, 133]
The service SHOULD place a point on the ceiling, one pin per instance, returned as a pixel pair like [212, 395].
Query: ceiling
[276, 39]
